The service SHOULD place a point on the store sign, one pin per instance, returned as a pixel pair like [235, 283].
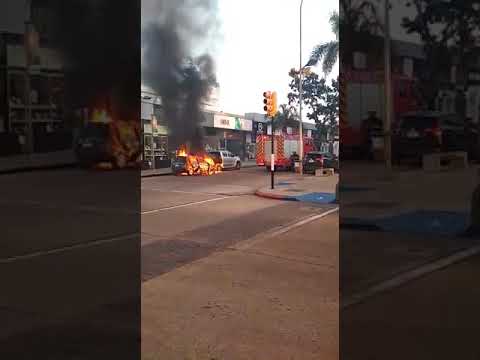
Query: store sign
[232, 123]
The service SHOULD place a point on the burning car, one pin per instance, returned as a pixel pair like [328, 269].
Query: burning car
[194, 164]
[104, 143]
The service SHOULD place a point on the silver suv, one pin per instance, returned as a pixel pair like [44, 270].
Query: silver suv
[226, 159]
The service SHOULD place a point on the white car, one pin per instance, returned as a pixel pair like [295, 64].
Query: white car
[226, 159]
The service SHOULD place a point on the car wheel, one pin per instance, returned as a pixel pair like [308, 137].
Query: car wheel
[238, 165]
[190, 172]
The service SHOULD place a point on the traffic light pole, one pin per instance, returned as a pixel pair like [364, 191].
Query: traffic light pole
[270, 102]
[272, 166]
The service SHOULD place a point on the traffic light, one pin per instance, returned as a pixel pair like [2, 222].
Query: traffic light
[270, 102]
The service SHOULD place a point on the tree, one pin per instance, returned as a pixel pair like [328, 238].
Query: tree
[357, 22]
[327, 53]
[320, 99]
[287, 116]
[449, 32]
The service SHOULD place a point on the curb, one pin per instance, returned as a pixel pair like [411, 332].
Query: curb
[275, 196]
[28, 169]
[284, 197]
[154, 175]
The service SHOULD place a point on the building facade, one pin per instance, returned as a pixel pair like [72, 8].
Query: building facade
[32, 107]
[222, 131]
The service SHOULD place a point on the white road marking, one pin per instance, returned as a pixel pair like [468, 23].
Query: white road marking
[411, 275]
[69, 248]
[309, 219]
[185, 205]
[248, 243]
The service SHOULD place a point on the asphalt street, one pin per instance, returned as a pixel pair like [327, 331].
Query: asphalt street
[69, 264]
[72, 240]
[238, 276]
[186, 218]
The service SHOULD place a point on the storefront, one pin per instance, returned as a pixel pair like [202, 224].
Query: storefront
[229, 132]
[154, 137]
[32, 116]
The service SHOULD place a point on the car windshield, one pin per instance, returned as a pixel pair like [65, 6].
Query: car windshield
[181, 159]
[215, 155]
[314, 155]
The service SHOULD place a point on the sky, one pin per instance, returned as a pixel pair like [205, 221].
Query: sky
[261, 44]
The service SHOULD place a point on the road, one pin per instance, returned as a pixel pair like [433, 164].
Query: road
[239, 276]
[186, 218]
[73, 241]
[69, 264]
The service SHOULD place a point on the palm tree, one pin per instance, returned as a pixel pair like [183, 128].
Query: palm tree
[327, 53]
[356, 18]
[287, 115]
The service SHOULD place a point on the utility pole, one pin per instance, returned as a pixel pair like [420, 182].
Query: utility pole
[300, 97]
[29, 56]
[387, 124]
[272, 170]
[270, 102]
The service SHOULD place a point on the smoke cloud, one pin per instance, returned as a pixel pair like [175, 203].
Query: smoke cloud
[99, 40]
[173, 32]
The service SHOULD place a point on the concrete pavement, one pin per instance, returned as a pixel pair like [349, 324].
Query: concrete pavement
[435, 317]
[218, 269]
[295, 187]
[265, 298]
[441, 199]
[395, 226]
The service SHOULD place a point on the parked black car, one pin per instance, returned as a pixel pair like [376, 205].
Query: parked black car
[422, 133]
[91, 146]
[179, 165]
[317, 160]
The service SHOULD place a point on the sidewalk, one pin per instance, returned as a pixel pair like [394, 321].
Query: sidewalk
[168, 171]
[270, 297]
[316, 189]
[37, 161]
[406, 200]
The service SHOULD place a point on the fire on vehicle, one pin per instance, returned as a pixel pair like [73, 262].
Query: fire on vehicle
[188, 163]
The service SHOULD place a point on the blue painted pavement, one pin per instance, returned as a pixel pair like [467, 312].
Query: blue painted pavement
[445, 223]
[317, 197]
[427, 222]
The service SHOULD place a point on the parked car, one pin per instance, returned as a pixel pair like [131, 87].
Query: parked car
[422, 133]
[226, 159]
[179, 165]
[91, 146]
[314, 160]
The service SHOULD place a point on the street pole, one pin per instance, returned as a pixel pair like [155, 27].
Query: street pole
[388, 92]
[28, 112]
[272, 166]
[300, 97]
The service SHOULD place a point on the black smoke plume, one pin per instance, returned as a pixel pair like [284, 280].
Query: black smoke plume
[183, 81]
[100, 43]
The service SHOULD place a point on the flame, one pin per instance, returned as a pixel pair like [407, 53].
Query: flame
[198, 164]
[181, 152]
[123, 140]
